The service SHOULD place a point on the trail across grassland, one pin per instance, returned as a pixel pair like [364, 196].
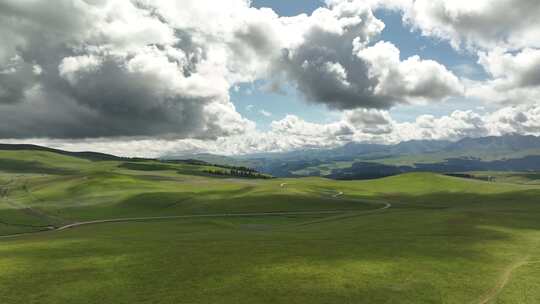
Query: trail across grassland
[194, 216]
[217, 215]
[504, 279]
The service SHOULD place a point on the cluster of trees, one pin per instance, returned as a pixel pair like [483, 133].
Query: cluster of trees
[244, 169]
[203, 163]
[220, 169]
[237, 172]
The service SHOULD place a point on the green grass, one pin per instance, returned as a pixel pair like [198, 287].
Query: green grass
[444, 240]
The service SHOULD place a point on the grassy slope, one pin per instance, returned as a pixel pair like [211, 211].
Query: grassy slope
[85, 190]
[445, 240]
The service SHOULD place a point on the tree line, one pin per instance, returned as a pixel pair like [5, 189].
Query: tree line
[236, 172]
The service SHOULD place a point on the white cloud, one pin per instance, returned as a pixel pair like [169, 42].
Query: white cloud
[523, 119]
[165, 68]
[70, 67]
[515, 70]
[113, 68]
[265, 113]
[292, 133]
[127, 71]
[481, 23]
[323, 69]
[455, 126]
[515, 77]
[503, 33]
[413, 79]
[36, 68]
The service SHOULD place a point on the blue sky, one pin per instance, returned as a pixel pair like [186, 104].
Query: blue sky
[250, 99]
[289, 7]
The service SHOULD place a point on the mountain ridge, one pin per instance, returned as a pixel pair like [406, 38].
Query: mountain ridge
[507, 152]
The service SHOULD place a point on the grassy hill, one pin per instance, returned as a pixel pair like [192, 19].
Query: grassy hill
[40, 189]
[412, 238]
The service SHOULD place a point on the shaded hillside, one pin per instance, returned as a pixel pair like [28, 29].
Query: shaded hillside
[84, 155]
[369, 170]
[42, 160]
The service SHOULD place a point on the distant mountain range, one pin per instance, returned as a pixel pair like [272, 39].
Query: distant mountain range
[364, 161]
[360, 160]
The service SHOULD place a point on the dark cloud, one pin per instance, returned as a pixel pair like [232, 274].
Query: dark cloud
[325, 70]
[486, 23]
[329, 66]
[105, 97]
[106, 102]
[309, 66]
[14, 82]
[530, 77]
[103, 68]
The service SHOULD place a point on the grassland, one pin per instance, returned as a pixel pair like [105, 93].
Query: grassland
[444, 240]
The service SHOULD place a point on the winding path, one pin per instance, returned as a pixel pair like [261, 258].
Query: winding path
[504, 279]
[157, 218]
[194, 216]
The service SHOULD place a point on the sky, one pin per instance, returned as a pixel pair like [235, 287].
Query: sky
[164, 78]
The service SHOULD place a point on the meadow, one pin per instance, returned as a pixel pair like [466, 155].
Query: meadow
[413, 238]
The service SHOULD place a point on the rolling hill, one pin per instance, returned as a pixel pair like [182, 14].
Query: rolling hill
[168, 232]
